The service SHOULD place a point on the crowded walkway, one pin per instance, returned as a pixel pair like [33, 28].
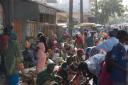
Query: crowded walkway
[88, 58]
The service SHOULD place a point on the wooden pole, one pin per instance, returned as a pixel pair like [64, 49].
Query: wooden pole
[70, 16]
[81, 11]
[96, 11]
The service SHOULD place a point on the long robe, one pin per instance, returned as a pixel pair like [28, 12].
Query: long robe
[41, 57]
[12, 57]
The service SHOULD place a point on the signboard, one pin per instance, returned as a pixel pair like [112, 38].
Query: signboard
[51, 1]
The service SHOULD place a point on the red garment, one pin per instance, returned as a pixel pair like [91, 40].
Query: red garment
[79, 40]
[105, 78]
[80, 51]
[3, 41]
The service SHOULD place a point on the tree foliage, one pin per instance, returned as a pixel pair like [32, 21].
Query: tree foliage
[109, 8]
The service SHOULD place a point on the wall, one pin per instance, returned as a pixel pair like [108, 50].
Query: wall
[23, 12]
[26, 10]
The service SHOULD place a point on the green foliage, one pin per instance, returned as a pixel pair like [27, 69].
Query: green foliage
[109, 8]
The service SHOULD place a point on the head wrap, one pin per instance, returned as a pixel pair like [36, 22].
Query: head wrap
[80, 51]
[113, 33]
[12, 35]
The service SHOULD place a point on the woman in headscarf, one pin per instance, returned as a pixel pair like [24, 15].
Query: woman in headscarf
[11, 57]
[41, 55]
[29, 55]
[79, 41]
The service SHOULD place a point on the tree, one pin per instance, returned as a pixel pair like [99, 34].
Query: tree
[109, 8]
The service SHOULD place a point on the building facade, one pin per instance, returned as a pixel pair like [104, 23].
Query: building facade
[27, 17]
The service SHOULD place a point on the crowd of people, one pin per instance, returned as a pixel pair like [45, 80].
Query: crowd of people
[100, 57]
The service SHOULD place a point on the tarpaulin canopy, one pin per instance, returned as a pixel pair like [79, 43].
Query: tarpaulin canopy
[88, 25]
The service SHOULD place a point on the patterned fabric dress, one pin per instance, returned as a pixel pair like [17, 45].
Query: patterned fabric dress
[41, 57]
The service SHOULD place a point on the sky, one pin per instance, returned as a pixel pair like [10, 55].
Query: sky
[64, 5]
[125, 2]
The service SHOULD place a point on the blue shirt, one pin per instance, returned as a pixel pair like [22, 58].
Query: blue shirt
[118, 54]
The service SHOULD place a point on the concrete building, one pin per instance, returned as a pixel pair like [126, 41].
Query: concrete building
[27, 17]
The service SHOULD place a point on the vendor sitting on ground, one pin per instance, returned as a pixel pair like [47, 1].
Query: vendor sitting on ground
[47, 77]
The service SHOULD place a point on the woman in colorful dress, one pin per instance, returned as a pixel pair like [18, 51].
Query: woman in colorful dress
[41, 55]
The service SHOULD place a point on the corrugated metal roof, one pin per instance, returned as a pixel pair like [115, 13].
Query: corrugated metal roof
[44, 5]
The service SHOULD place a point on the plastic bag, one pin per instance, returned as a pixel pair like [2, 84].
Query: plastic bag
[94, 63]
[108, 44]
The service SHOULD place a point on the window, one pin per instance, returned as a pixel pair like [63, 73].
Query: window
[31, 29]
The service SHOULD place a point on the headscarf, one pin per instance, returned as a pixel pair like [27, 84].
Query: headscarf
[81, 51]
[12, 35]
[113, 33]
[40, 34]
[66, 34]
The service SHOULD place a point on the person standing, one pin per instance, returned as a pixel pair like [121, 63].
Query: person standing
[29, 55]
[118, 70]
[47, 77]
[79, 41]
[80, 56]
[12, 60]
[85, 39]
[41, 55]
[90, 39]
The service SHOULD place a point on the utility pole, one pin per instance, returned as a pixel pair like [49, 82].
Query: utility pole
[70, 16]
[81, 11]
[96, 11]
